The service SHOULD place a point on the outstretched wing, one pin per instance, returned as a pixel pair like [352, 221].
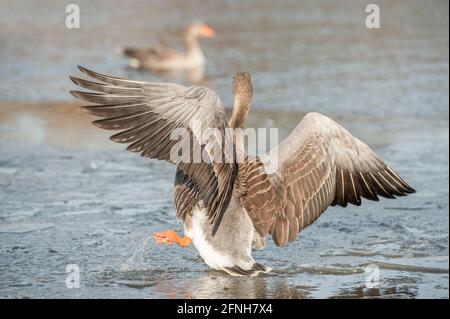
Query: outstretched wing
[320, 164]
[147, 113]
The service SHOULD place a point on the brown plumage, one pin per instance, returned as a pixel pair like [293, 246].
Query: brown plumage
[228, 205]
[166, 59]
[320, 164]
[147, 113]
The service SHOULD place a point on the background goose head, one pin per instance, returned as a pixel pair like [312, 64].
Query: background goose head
[200, 29]
[243, 92]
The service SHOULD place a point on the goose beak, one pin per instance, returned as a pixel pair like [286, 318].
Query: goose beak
[207, 32]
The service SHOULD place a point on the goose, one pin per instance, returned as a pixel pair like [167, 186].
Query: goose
[229, 205]
[165, 59]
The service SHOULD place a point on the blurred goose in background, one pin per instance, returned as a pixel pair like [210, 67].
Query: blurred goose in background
[165, 59]
[229, 206]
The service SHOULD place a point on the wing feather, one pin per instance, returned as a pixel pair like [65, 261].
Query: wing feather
[147, 113]
[320, 164]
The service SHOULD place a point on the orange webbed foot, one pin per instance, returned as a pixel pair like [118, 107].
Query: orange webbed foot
[170, 237]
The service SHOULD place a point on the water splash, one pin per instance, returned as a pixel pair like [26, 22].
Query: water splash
[139, 260]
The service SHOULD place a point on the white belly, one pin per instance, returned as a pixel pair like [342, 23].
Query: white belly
[230, 246]
[212, 257]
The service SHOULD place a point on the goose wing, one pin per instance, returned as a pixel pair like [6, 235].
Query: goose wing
[147, 116]
[319, 164]
[159, 53]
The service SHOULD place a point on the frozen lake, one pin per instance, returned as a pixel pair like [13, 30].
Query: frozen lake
[70, 196]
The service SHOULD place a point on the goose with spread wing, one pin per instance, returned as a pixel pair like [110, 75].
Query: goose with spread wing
[228, 204]
[165, 59]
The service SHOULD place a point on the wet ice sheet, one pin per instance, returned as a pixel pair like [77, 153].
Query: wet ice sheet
[104, 203]
[22, 228]
[389, 87]
[432, 265]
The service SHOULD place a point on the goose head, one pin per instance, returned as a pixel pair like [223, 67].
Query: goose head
[242, 92]
[200, 29]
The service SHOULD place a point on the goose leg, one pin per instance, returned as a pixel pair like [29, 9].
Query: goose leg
[170, 237]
